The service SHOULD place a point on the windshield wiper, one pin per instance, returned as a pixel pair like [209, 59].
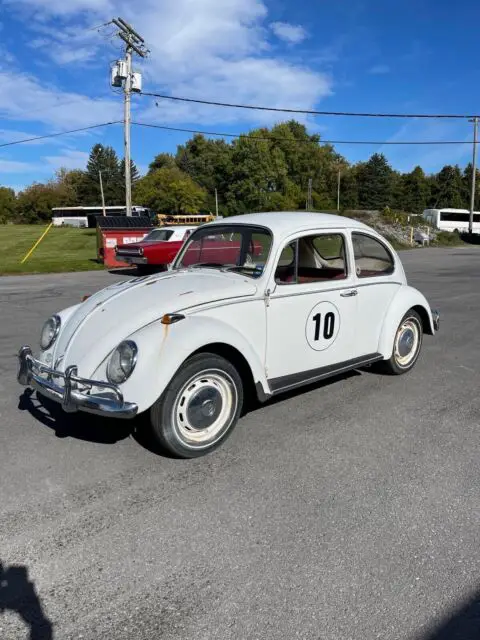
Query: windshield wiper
[208, 265]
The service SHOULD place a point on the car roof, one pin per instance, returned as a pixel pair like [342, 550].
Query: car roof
[284, 222]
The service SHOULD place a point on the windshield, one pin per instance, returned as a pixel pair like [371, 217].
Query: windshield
[236, 247]
[158, 235]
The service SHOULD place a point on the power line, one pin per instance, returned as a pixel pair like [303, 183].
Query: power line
[279, 139]
[60, 133]
[306, 111]
[99, 26]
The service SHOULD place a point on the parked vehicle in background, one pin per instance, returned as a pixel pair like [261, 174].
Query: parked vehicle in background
[156, 250]
[87, 216]
[452, 219]
[160, 246]
[295, 298]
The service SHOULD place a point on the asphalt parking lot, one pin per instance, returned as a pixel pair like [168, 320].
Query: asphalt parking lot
[346, 511]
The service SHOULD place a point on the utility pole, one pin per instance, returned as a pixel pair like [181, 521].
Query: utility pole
[338, 189]
[131, 82]
[474, 174]
[216, 203]
[101, 191]
[127, 125]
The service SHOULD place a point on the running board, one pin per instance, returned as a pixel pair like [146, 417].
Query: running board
[294, 380]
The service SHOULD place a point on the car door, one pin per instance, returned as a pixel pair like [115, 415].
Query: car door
[377, 279]
[311, 309]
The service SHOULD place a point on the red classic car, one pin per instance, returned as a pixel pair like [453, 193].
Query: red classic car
[157, 249]
[160, 247]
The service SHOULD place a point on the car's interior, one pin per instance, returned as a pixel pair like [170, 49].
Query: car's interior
[319, 258]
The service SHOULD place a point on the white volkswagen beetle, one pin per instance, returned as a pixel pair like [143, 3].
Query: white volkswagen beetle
[254, 304]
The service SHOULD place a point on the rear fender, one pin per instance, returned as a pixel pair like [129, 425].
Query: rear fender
[405, 299]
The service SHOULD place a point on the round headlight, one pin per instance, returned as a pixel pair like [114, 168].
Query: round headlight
[122, 362]
[50, 332]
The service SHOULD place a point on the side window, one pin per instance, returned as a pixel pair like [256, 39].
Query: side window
[316, 258]
[371, 257]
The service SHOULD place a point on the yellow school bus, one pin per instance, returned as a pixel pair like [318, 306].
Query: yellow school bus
[184, 218]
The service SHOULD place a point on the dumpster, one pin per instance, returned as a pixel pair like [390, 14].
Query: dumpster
[113, 230]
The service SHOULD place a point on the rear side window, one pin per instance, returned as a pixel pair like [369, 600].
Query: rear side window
[372, 258]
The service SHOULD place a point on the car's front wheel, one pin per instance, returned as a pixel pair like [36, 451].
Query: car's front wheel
[406, 346]
[199, 408]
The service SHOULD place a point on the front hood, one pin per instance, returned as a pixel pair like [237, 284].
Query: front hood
[113, 314]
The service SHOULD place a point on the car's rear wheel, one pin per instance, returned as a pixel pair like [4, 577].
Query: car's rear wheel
[406, 346]
[199, 408]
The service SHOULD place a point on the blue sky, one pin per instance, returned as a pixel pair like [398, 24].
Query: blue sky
[351, 55]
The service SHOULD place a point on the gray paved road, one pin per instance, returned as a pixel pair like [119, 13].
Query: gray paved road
[346, 511]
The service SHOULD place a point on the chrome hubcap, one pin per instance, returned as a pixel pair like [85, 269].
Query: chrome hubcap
[204, 408]
[407, 342]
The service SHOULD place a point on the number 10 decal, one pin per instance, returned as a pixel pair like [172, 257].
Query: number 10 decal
[328, 325]
[322, 326]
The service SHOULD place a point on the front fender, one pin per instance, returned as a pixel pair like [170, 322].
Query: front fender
[162, 349]
[406, 298]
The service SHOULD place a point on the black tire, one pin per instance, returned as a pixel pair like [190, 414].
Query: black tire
[193, 416]
[412, 328]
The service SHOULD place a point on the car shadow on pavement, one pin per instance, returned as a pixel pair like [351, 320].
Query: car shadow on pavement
[463, 624]
[82, 426]
[17, 593]
[88, 427]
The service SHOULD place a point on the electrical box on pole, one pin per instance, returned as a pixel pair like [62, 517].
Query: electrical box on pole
[118, 73]
[136, 82]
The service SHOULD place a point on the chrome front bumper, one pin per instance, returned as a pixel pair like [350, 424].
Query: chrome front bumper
[75, 394]
[436, 319]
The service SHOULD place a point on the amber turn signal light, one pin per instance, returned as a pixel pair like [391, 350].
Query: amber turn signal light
[171, 318]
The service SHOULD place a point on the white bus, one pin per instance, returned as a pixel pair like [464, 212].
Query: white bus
[452, 219]
[86, 216]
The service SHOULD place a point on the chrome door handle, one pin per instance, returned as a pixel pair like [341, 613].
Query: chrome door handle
[349, 294]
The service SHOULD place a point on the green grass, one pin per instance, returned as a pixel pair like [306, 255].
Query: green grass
[61, 250]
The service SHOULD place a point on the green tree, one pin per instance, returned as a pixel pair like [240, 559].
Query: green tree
[375, 180]
[162, 160]
[306, 158]
[348, 189]
[259, 180]
[134, 172]
[450, 188]
[8, 204]
[70, 183]
[103, 159]
[467, 186]
[209, 163]
[170, 190]
[36, 202]
[414, 191]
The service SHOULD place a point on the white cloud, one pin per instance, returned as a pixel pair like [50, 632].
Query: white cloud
[13, 166]
[65, 7]
[379, 69]
[24, 97]
[291, 33]
[205, 49]
[70, 159]
[13, 135]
